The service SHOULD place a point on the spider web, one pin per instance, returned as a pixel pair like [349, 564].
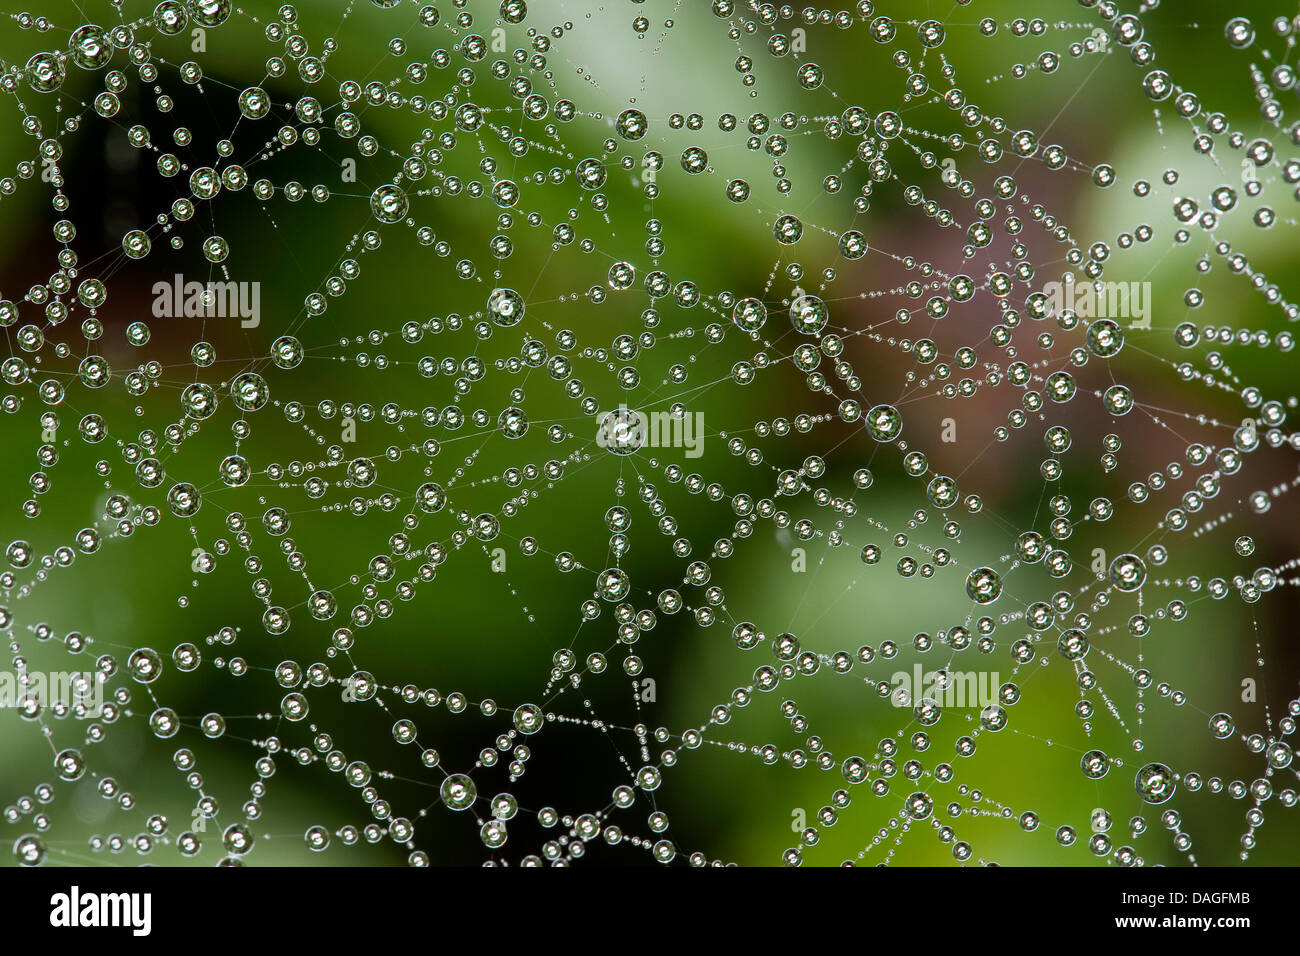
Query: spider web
[544, 433]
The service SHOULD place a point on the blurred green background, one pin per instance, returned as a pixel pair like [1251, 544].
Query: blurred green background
[493, 635]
